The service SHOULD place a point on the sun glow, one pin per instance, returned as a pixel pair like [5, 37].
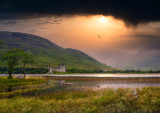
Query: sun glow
[103, 19]
[92, 31]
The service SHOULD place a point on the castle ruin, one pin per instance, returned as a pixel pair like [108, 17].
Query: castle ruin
[61, 68]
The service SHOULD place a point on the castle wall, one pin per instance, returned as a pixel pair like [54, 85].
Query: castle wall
[50, 70]
[61, 68]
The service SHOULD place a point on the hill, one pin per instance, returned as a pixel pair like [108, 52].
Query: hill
[145, 59]
[48, 53]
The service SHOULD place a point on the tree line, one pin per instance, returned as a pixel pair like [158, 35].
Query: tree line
[15, 57]
[73, 70]
[29, 70]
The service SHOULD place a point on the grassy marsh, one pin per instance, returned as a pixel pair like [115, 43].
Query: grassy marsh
[15, 81]
[6, 85]
[108, 100]
[104, 101]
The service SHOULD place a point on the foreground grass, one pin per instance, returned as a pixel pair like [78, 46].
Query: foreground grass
[6, 84]
[104, 101]
[15, 81]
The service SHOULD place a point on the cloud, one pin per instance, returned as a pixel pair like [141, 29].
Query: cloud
[131, 11]
[9, 22]
[139, 41]
[144, 36]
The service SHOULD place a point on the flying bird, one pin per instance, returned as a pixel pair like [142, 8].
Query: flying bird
[99, 36]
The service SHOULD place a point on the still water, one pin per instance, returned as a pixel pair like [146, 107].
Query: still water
[90, 75]
[55, 84]
[98, 84]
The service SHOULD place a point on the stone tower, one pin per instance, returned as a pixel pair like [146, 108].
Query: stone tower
[61, 68]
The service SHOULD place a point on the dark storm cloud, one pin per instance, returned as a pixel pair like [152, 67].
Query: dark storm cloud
[131, 11]
[9, 22]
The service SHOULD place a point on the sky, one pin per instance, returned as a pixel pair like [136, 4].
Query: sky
[107, 30]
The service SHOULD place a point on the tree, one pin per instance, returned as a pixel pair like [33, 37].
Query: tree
[12, 57]
[27, 58]
[1, 44]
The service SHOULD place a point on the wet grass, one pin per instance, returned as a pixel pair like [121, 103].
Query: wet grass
[16, 93]
[7, 84]
[15, 81]
[145, 100]
[121, 100]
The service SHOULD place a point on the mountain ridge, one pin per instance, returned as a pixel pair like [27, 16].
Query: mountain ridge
[47, 52]
[145, 59]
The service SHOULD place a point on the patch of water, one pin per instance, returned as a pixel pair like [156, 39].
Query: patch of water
[65, 85]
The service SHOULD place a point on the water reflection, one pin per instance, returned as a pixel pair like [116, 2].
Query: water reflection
[64, 83]
[54, 85]
[61, 82]
[127, 85]
[9, 89]
[77, 84]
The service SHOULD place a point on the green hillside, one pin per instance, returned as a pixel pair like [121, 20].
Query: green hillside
[48, 53]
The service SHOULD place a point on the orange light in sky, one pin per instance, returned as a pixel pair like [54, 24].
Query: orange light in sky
[91, 31]
[92, 34]
[74, 31]
[103, 19]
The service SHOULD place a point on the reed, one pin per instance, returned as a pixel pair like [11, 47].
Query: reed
[88, 101]
[15, 81]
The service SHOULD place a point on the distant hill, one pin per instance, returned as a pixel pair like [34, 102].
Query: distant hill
[48, 53]
[146, 59]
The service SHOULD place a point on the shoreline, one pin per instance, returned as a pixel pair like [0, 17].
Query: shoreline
[98, 75]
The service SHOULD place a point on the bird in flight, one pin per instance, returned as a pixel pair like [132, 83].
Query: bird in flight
[99, 36]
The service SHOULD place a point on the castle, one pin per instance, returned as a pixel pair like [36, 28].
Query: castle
[61, 68]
